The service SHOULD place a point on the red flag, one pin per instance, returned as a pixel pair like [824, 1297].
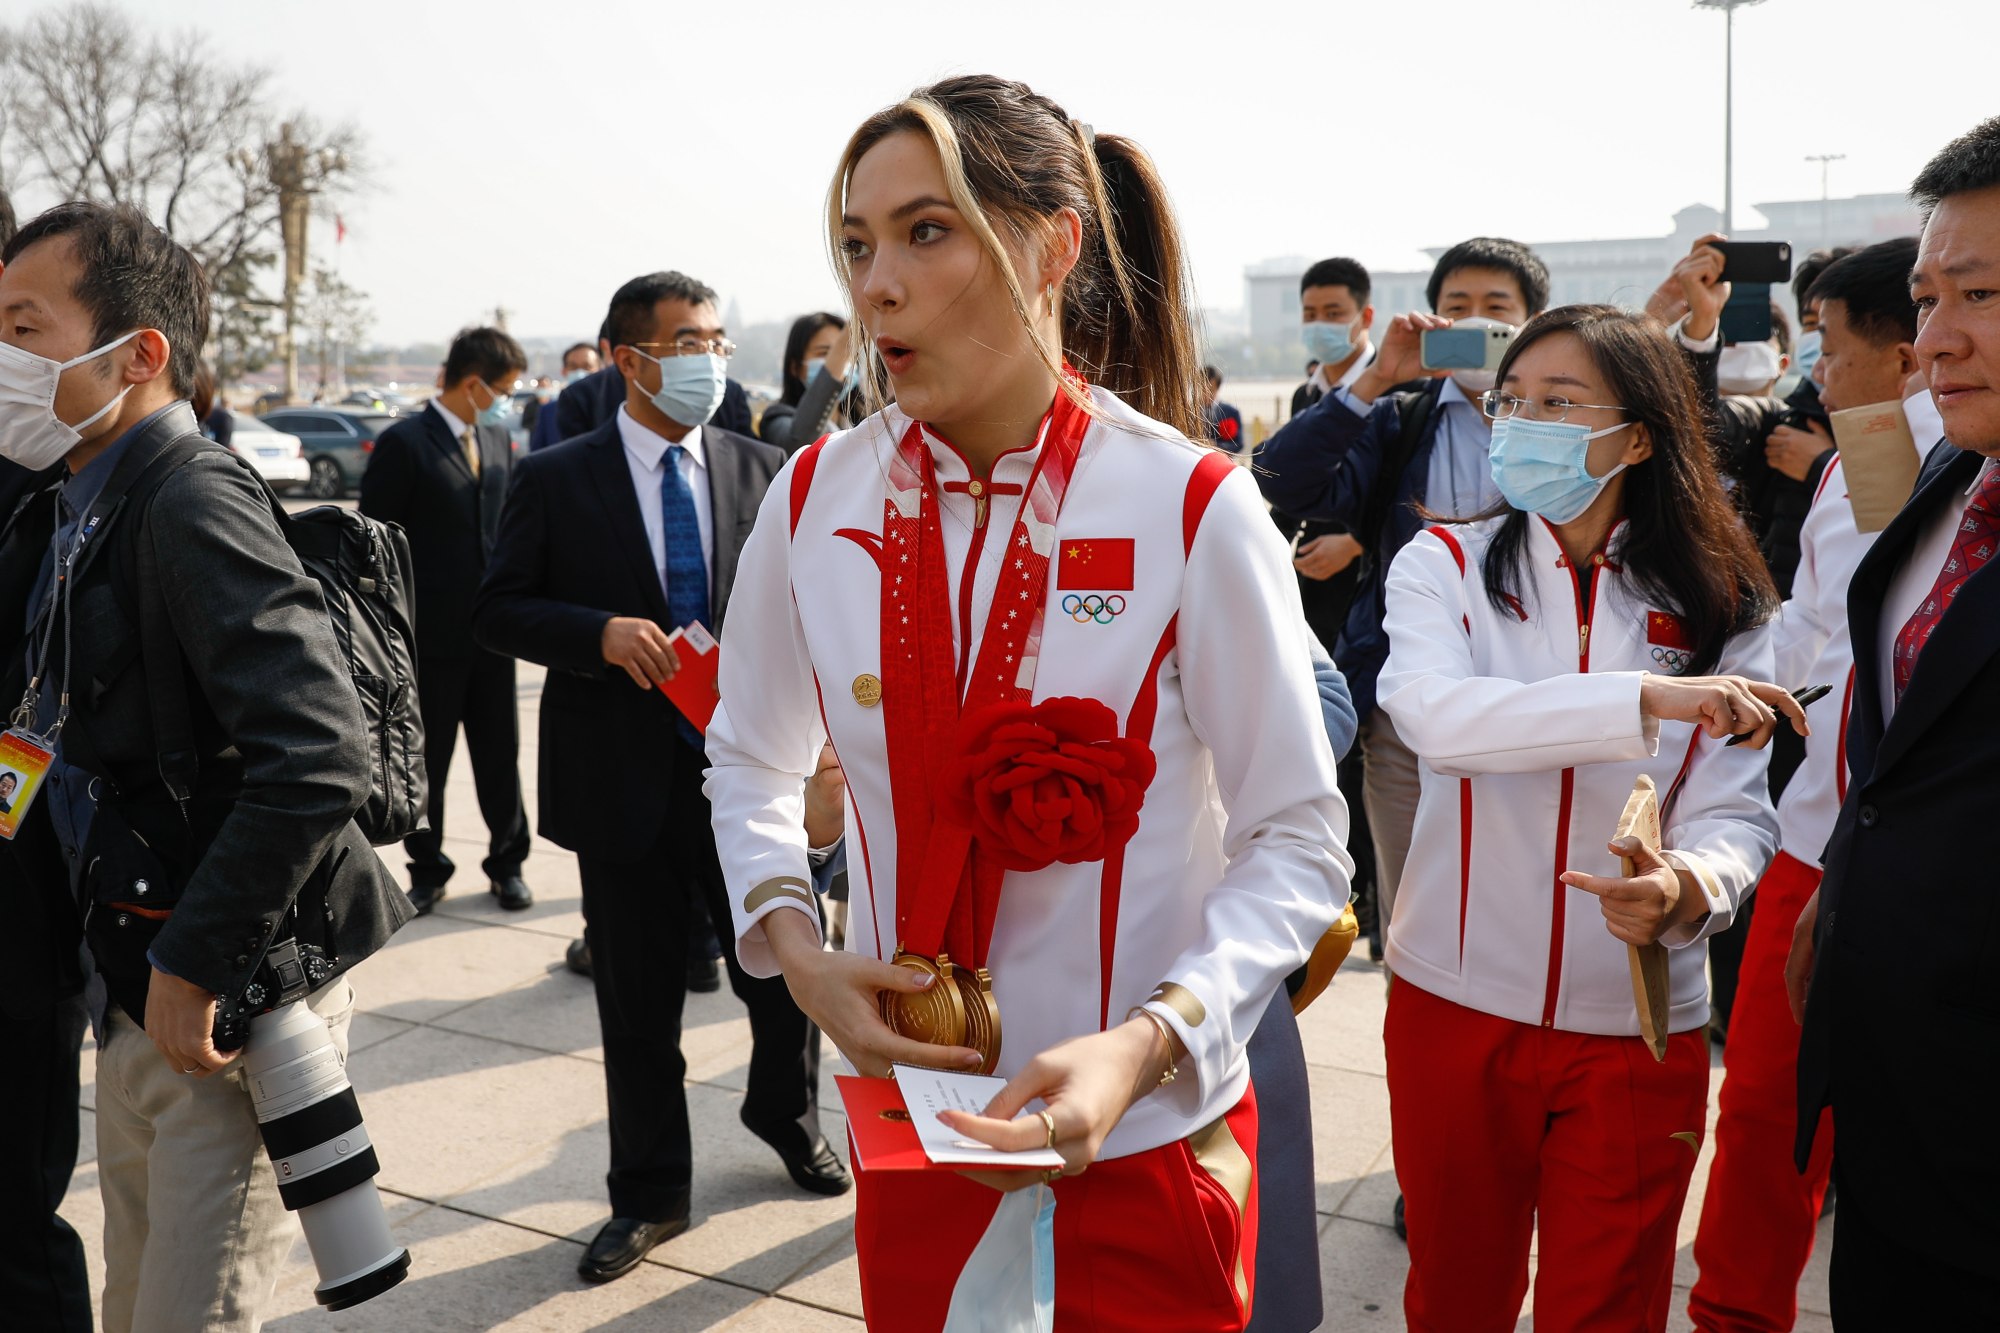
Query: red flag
[339, 229]
[1668, 631]
[1096, 564]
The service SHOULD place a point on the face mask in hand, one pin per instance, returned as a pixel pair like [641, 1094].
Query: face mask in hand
[1329, 344]
[691, 387]
[30, 432]
[1539, 466]
[1747, 367]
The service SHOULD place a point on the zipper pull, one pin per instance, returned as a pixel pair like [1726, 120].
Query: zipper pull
[1582, 642]
[977, 489]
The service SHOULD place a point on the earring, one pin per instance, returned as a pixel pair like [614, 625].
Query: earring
[1049, 300]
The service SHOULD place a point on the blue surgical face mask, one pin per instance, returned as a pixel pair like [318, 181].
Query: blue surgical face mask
[813, 368]
[1539, 466]
[691, 387]
[1807, 354]
[1329, 344]
[498, 411]
[573, 376]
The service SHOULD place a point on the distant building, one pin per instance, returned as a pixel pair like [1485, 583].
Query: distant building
[1623, 272]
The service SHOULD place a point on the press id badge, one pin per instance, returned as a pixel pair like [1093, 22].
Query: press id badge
[24, 761]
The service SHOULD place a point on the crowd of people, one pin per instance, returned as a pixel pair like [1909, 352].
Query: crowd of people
[1518, 652]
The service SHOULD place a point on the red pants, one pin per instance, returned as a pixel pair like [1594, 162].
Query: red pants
[1500, 1126]
[1759, 1216]
[1164, 1239]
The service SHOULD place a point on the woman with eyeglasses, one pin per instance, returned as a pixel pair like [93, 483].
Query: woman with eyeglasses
[1093, 818]
[1612, 620]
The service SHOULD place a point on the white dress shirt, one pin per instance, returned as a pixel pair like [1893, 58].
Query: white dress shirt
[1914, 580]
[1319, 380]
[645, 455]
[452, 424]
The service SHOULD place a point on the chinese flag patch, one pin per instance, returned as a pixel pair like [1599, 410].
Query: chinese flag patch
[1668, 632]
[1096, 564]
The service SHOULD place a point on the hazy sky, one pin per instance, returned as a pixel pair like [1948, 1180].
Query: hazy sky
[536, 155]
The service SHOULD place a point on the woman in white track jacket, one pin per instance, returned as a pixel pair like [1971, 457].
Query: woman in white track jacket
[1612, 622]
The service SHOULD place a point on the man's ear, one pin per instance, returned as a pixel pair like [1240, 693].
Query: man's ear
[1906, 359]
[1368, 317]
[151, 355]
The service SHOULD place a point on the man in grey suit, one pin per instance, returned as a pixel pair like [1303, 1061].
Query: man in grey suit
[608, 543]
[105, 316]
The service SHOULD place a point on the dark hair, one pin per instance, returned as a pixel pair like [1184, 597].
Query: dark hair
[1346, 273]
[1809, 269]
[1312, 365]
[804, 329]
[1495, 252]
[10, 777]
[131, 276]
[1213, 376]
[1781, 328]
[575, 347]
[1013, 158]
[1685, 549]
[631, 320]
[487, 353]
[1969, 162]
[1873, 287]
[202, 400]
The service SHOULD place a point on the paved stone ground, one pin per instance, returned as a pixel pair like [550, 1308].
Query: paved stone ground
[477, 1060]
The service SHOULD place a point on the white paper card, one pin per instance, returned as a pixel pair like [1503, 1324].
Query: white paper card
[697, 636]
[929, 1091]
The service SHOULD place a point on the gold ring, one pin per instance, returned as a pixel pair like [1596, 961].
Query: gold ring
[1052, 1176]
[1050, 1121]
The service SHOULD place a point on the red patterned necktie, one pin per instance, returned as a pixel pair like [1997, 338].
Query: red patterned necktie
[1978, 538]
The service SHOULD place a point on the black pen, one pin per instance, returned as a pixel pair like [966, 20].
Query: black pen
[1805, 698]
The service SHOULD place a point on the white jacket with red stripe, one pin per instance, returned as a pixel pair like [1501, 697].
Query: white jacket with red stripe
[1528, 726]
[1239, 864]
[1814, 647]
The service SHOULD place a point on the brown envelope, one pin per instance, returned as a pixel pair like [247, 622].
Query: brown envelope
[1650, 990]
[1879, 460]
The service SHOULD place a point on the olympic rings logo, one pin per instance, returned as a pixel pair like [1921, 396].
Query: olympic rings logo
[1103, 610]
[1673, 659]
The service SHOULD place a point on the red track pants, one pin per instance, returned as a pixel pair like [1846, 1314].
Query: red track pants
[1500, 1126]
[1759, 1215]
[1164, 1239]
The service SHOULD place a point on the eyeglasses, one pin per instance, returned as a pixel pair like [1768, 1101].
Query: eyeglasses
[1498, 405]
[721, 347]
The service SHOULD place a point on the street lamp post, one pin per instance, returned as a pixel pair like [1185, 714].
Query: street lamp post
[1728, 8]
[1825, 237]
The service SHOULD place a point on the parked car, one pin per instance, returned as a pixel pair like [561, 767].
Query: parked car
[278, 457]
[338, 441]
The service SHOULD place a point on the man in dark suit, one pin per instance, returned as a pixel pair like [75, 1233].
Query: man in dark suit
[610, 541]
[195, 860]
[1895, 1038]
[442, 476]
[43, 1283]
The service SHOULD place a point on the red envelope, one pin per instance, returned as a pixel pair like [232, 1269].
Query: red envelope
[694, 689]
[1094, 564]
[879, 1127]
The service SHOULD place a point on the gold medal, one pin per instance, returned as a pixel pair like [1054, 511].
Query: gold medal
[958, 1009]
[867, 690]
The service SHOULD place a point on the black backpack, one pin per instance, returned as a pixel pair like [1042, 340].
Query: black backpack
[1413, 409]
[362, 566]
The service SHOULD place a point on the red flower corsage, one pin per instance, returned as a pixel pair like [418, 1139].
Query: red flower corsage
[1048, 782]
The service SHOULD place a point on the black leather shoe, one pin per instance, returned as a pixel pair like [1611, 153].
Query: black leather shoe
[623, 1241]
[705, 975]
[1402, 1228]
[815, 1169]
[577, 957]
[513, 893]
[424, 897]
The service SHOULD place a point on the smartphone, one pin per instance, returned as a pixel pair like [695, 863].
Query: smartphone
[1464, 349]
[1746, 315]
[1756, 261]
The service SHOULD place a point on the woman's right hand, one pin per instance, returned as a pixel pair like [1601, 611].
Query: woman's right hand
[1722, 705]
[841, 355]
[838, 991]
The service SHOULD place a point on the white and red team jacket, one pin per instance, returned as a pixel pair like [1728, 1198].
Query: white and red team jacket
[1239, 864]
[1528, 726]
[1814, 647]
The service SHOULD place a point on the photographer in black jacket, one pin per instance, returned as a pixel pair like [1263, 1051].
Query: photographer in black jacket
[105, 318]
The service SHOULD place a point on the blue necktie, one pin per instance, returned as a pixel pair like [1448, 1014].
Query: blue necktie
[687, 571]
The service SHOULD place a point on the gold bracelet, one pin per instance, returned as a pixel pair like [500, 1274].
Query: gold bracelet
[1173, 1070]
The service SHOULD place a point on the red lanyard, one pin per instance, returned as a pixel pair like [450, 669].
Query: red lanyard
[947, 891]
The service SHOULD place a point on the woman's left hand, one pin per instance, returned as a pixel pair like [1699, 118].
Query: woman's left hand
[1087, 1084]
[1652, 902]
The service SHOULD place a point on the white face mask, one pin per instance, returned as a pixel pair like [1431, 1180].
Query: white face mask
[1748, 367]
[31, 434]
